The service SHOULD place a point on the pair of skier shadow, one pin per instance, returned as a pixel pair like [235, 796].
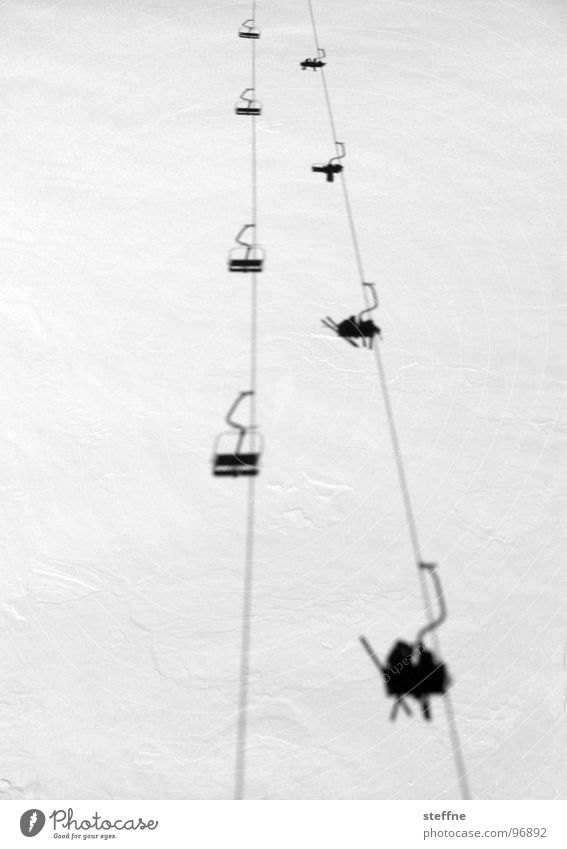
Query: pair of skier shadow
[411, 670]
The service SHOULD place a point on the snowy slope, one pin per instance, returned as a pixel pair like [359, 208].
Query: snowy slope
[124, 341]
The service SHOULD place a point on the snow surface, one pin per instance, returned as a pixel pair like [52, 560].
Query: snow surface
[124, 341]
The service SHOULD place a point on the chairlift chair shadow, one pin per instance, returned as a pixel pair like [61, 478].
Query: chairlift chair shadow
[357, 328]
[333, 166]
[246, 443]
[248, 105]
[247, 257]
[314, 63]
[249, 29]
[411, 669]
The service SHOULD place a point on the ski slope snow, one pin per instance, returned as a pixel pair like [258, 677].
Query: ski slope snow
[124, 342]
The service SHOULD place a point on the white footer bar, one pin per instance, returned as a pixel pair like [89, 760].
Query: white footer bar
[283, 824]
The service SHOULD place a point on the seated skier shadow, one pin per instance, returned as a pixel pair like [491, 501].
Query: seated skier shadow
[411, 670]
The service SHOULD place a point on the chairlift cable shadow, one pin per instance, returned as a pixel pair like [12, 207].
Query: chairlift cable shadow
[247, 257]
[410, 516]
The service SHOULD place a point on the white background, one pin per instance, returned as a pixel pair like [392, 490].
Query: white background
[124, 341]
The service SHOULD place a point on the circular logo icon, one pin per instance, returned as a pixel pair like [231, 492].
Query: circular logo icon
[32, 822]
